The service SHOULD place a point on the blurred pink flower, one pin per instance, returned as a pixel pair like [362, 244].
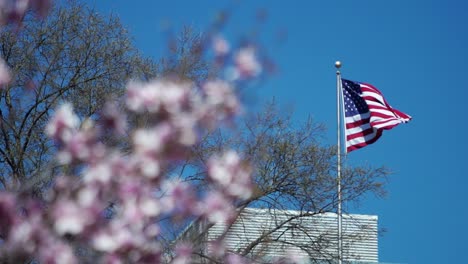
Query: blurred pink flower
[28, 234]
[112, 259]
[107, 241]
[220, 46]
[183, 253]
[100, 172]
[235, 259]
[147, 165]
[82, 145]
[117, 235]
[113, 118]
[157, 96]
[151, 141]
[150, 207]
[247, 64]
[221, 101]
[63, 124]
[5, 74]
[7, 212]
[56, 252]
[217, 247]
[217, 208]
[14, 10]
[42, 7]
[70, 218]
[179, 199]
[232, 174]
[185, 125]
[88, 197]
[168, 139]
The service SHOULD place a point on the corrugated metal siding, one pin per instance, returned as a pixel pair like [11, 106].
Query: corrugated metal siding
[277, 233]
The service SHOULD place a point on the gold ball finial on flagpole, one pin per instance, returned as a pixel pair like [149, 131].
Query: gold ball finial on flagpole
[338, 64]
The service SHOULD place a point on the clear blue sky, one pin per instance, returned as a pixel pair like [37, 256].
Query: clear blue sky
[413, 51]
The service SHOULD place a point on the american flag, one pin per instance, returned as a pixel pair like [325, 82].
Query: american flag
[367, 114]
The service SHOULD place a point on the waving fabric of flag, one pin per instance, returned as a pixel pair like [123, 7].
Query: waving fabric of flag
[367, 114]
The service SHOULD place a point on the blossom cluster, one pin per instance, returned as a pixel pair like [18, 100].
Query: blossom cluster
[108, 200]
[135, 182]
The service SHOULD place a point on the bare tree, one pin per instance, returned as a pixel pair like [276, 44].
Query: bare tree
[73, 55]
[185, 58]
[294, 171]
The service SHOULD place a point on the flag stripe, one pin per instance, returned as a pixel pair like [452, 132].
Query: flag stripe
[363, 141]
[367, 114]
[358, 123]
[360, 133]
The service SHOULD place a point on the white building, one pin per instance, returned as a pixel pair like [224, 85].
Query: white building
[263, 235]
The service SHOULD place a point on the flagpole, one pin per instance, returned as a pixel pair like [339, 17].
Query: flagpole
[338, 178]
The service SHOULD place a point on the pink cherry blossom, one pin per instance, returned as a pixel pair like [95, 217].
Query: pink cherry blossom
[70, 218]
[113, 118]
[14, 10]
[232, 174]
[152, 141]
[81, 146]
[217, 208]
[221, 101]
[217, 247]
[157, 96]
[179, 198]
[183, 252]
[42, 7]
[220, 46]
[235, 259]
[247, 64]
[56, 252]
[5, 74]
[63, 124]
